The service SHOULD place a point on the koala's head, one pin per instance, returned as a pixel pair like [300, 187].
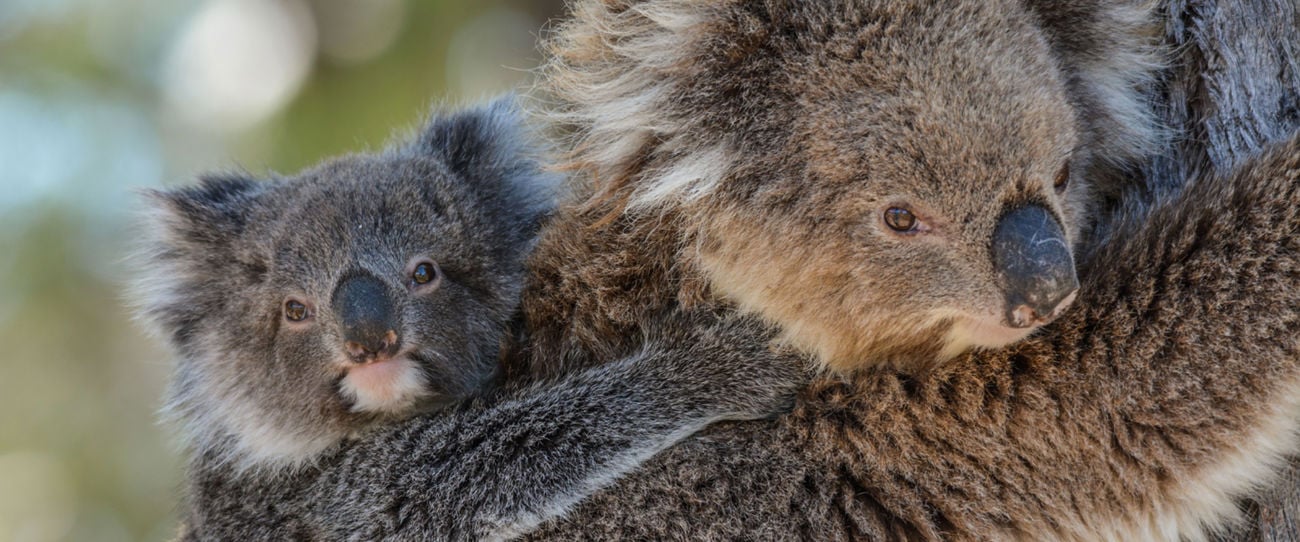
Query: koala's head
[887, 181]
[307, 308]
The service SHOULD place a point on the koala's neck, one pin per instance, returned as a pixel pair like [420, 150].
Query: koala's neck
[230, 433]
[593, 280]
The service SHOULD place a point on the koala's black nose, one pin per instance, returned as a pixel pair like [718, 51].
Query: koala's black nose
[1034, 264]
[368, 316]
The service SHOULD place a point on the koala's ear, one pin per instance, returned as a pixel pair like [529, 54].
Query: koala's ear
[212, 212]
[187, 257]
[492, 146]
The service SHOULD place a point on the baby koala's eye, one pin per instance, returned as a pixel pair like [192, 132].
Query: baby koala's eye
[295, 311]
[424, 273]
[1062, 177]
[900, 219]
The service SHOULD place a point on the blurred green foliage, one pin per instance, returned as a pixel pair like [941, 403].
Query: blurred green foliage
[90, 113]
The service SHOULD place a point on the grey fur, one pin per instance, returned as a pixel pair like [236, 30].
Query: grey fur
[1171, 389]
[499, 466]
[262, 399]
[1103, 426]
[1232, 88]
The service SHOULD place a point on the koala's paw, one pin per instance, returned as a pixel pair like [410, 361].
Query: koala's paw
[730, 361]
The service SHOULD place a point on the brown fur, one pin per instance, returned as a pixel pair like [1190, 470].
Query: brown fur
[758, 143]
[1133, 418]
[1168, 390]
[1232, 90]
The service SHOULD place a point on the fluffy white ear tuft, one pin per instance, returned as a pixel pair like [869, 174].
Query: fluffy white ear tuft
[185, 229]
[614, 95]
[692, 177]
[1113, 60]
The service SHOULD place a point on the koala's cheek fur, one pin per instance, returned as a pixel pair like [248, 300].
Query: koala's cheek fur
[239, 403]
[262, 440]
[850, 294]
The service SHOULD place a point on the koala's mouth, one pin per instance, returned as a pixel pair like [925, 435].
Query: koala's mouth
[992, 333]
[989, 332]
[391, 386]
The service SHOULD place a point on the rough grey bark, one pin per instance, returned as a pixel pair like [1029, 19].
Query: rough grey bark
[1274, 514]
[1232, 85]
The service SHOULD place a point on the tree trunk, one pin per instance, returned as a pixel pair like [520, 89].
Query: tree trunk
[1231, 86]
[1272, 517]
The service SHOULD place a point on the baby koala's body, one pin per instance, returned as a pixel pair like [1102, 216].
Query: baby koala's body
[311, 309]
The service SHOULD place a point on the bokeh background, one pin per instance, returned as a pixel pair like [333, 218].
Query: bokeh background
[99, 98]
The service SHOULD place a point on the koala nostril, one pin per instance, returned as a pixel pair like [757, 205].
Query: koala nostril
[1022, 316]
[388, 346]
[356, 351]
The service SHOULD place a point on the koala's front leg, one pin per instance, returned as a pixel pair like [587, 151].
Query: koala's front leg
[497, 468]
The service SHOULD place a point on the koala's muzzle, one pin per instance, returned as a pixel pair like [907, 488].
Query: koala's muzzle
[368, 316]
[1035, 268]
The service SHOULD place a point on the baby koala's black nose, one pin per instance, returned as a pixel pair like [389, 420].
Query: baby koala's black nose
[368, 317]
[1034, 264]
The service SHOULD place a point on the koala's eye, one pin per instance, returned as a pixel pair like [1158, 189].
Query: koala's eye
[900, 219]
[295, 311]
[1062, 177]
[424, 273]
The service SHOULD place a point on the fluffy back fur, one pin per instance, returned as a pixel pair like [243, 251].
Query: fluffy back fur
[1170, 390]
[1109, 54]
[252, 386]
[278, 292]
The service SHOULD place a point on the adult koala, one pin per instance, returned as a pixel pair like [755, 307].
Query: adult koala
[1130, 419]
[1167, 391]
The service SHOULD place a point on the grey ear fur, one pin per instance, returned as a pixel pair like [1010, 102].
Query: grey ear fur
[210, 212]
[190, 232]
[493, 146]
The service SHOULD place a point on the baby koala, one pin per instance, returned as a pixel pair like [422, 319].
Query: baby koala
[375, 287]
[368, 289]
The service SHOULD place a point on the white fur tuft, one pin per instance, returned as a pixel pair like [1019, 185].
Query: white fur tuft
[616, 94]
[1118, 79]
[396, 386]
[689, 178]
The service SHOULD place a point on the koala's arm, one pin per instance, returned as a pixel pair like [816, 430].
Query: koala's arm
[497, 467]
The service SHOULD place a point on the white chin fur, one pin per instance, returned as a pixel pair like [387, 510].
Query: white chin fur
[967, 334]
[390, 387]
[267, 447]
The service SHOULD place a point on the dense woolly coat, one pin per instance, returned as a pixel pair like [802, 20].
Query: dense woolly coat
[1166, 395]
